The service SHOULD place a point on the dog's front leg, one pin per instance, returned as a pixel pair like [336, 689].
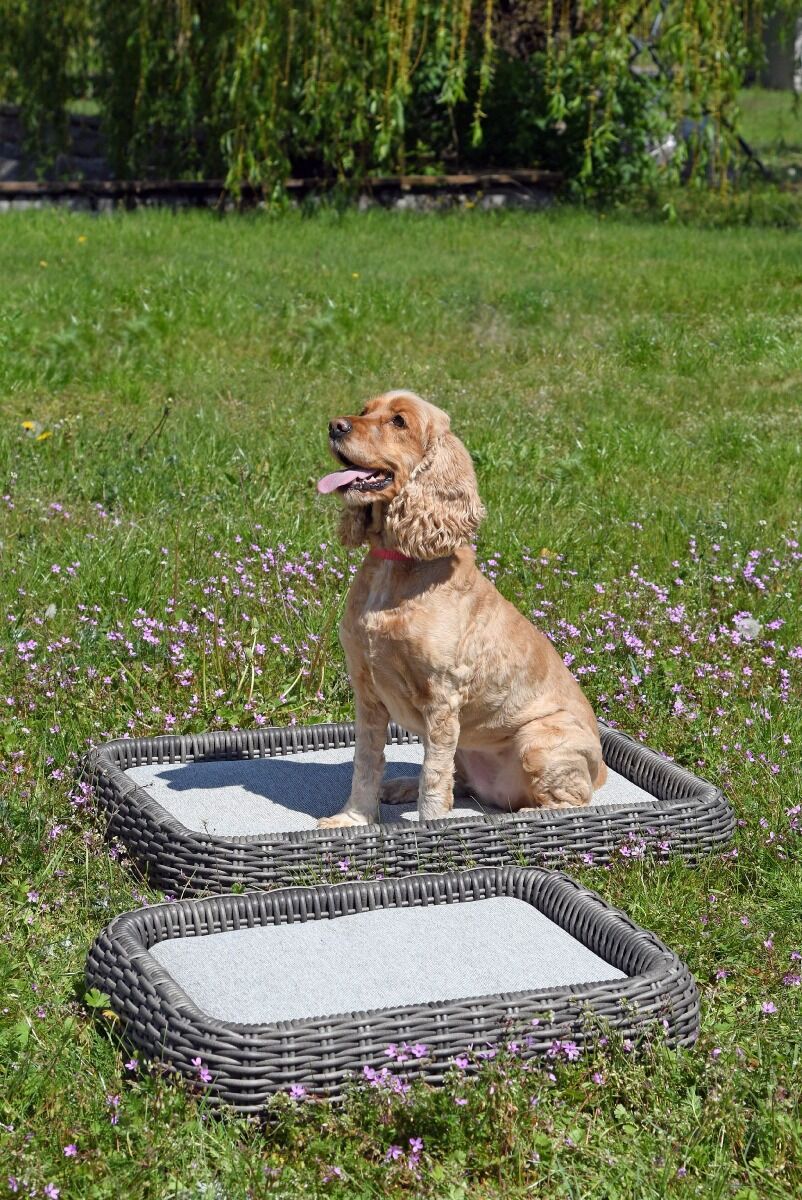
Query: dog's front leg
[440, 737]
[362, 807]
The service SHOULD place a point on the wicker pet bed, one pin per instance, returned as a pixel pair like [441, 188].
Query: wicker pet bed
[214, 811]
[308, 986]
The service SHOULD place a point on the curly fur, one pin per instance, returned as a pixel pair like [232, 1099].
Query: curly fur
[438, 510]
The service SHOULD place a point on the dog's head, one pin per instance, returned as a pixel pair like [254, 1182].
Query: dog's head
[399, 453]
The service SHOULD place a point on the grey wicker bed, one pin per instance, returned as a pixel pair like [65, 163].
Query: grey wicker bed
[177, 973]
[164, 796]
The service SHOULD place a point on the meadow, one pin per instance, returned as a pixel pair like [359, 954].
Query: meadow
[631, 394]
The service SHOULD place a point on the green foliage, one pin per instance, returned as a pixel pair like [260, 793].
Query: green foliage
[252, 90]
[43, 65]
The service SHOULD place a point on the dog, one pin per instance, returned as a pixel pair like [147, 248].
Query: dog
[431, 643]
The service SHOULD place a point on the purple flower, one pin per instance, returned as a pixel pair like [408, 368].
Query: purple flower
[297, 1091]
[567, 1050]
[330, 1173]
[131, 1065]
[51, 1191]
[461, 1062]
[768, 1007]
[204, 1074]
[70, 1151]
[393, 1154]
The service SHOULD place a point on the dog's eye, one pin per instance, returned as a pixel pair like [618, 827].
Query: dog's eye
[399, 421]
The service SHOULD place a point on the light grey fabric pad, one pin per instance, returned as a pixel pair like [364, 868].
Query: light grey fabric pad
[249, 797]
[379, 959]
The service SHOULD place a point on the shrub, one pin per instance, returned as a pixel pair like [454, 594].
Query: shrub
[252, 90]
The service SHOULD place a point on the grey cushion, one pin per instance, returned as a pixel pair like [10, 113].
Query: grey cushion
[243, 797]
[380, 959]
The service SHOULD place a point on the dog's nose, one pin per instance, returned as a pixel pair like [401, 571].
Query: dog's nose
[339, 427]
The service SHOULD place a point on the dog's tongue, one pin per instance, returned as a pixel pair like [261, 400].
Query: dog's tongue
[338, 479]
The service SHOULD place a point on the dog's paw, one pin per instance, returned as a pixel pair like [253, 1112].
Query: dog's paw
[561, 798]
[341, 820]
[403, 790]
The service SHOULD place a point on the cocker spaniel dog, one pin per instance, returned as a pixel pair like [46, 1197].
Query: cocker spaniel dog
[429, 641]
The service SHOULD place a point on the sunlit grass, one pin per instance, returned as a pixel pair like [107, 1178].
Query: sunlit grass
[771, 121]
[631, 396]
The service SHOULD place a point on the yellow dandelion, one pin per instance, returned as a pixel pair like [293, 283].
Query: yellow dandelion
[35, 429]
[81, 239]
[355, 274]
[42, 262]
[545, 552]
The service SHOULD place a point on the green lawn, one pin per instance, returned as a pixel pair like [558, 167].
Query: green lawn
[631, 395]
[771, 121]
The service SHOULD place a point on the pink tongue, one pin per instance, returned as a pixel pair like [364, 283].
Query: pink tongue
[338, 479]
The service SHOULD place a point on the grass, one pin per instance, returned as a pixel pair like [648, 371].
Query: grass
[771, 121]
[630, 394]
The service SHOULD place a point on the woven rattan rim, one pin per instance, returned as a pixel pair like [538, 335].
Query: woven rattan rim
[688, 816]
[248, 1063]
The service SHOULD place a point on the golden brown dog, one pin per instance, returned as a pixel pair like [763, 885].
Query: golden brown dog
[429, 641]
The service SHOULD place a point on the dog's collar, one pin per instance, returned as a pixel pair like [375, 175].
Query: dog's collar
[391, 555]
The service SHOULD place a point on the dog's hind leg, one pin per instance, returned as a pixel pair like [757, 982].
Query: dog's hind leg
[560, 765]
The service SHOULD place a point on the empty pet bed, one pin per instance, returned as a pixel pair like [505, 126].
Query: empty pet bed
[252, 994]
[211, 811]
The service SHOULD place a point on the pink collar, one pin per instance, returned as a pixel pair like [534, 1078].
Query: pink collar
[391, 555]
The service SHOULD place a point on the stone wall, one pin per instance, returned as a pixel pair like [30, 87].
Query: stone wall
[81, 179]
[485, 190]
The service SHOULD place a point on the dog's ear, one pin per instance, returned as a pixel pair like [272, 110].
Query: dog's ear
[352, 528]
[438, 510]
